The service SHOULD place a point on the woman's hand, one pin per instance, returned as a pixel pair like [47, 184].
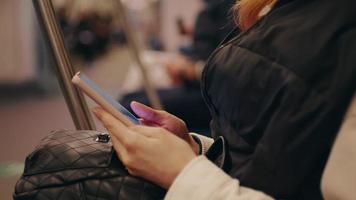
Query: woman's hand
[163, 119]
[149, 152]
[181, 69]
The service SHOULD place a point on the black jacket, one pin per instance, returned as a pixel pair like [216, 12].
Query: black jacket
[278, 93]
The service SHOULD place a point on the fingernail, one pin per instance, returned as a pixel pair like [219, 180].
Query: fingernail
[134, 102]
[134, 105]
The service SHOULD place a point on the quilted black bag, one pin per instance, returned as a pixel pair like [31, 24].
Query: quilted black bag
[80, 165]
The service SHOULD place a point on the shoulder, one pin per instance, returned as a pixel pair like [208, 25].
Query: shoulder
[305, 37]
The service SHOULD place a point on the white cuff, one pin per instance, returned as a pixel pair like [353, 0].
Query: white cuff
[205, 142]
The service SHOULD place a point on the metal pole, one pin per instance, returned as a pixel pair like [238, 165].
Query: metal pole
[64, 69]
[133, 46]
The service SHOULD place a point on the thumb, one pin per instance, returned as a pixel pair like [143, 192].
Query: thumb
[147, 113]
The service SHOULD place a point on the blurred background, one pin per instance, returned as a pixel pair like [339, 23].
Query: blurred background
[31, 102]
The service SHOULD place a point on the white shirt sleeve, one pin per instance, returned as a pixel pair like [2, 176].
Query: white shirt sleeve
[201, 179]
[339, 179]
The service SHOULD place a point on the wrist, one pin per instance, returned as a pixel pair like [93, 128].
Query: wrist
[179, 165]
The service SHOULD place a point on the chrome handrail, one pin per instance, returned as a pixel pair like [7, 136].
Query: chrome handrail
[133, 46]
[76, 103]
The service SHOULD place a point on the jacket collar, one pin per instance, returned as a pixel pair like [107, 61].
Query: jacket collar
[282, 2]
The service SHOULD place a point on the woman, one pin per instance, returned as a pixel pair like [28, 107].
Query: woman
[277, 93]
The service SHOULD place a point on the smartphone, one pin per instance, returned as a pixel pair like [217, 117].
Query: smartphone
[104, 100]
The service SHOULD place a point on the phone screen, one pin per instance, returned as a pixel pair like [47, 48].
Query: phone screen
[109, 99]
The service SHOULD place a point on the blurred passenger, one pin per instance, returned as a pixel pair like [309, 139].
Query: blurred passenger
[277, 93]
[88, 31]
[185, 100]
[91, 36]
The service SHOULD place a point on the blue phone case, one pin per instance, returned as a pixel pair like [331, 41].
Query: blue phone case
[109, 99]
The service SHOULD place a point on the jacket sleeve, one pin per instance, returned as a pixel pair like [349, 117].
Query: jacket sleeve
[201, 179]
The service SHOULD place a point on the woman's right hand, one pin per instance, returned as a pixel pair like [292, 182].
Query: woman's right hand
[163, 119]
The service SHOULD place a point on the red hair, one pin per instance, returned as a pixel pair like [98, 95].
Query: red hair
[248, 11]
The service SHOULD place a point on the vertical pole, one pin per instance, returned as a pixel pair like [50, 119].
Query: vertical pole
[133, 46]
[64, 69]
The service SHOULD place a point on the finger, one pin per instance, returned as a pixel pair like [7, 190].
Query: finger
[117, 129]
[148, 123]
[119, 148]
[124, 154]
[106, 119]
[95, 109]
[147, 113]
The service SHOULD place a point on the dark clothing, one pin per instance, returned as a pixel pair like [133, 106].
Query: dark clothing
[278, 93]
[186, 102]
[213, 23]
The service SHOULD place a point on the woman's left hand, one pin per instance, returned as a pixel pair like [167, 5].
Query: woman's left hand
[149, 152]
